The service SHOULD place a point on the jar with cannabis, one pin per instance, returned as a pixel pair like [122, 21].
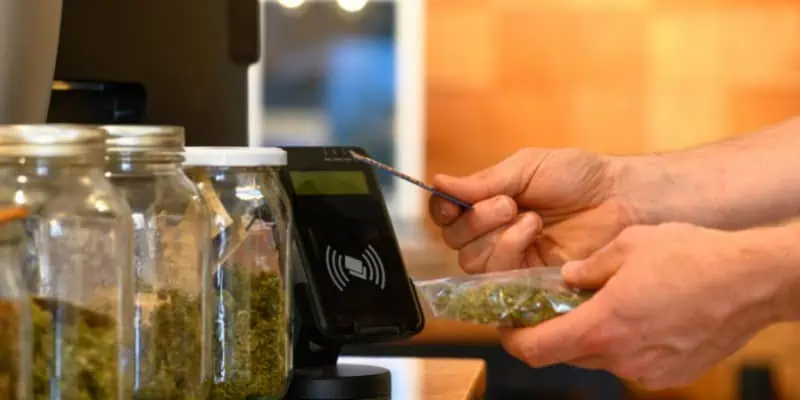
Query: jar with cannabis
[15, 328]
[76, 259]
[251, 346]
[172, 319]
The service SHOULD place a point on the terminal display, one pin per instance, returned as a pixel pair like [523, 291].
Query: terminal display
[329, 183]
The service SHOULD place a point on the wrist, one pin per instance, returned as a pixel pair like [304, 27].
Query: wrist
[772, 258]
[643, 185]
[668, 188]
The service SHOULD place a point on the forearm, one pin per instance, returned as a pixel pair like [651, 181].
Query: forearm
[738, 183]
[771, 257]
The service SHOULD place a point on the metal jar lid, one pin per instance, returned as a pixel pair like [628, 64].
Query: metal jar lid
[51, 140]
[144, 138]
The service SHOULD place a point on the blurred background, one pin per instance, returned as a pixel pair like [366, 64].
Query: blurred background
[455, 86]
[347, 72]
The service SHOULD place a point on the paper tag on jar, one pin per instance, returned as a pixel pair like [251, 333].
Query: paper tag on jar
[221, 220]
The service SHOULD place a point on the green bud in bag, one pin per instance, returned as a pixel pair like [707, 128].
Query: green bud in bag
[520, 298]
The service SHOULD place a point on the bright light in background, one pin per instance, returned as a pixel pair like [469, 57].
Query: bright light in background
[291, 3]
[352, 5]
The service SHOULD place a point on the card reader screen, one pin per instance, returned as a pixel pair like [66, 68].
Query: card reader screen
[329, 183]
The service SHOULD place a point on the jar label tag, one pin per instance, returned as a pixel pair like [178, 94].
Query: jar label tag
[221, 218]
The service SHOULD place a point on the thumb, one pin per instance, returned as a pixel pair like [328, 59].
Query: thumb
[594, 271]
[509, 177]
[470, 188]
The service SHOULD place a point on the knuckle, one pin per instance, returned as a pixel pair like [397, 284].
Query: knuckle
[526, 350]
[575, 154]
[661, 383]
[632, 235]
[625, 369]
[449, 236]
[648, 374]
[531, 354]
[634, 231]
[620, 244]
[625, 237]
[527, 153]
[605, 341]
[597, 341]
[470, 263]
[494, 211]
[610, 337]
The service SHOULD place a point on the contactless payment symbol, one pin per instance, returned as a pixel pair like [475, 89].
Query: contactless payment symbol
[342, 268]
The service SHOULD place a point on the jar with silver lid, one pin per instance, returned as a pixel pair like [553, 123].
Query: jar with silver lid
[77, 263]
[15, 321]
[171, 262]
[251, 346]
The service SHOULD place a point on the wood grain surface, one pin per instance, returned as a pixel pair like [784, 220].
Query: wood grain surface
[453, 379]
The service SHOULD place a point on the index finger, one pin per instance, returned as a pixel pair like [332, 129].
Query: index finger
[558, 340]
[509, 177]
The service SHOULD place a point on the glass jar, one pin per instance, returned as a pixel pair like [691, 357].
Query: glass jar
[171, 262]
[77, 261]
[15, 344]
[252, 288]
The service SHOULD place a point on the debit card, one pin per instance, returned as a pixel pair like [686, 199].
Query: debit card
[405, 177]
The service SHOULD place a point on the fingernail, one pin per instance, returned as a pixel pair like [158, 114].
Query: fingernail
[448, 210]
[504, 207]
[530, 222]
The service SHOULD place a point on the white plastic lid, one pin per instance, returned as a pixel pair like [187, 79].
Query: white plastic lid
[234, 156]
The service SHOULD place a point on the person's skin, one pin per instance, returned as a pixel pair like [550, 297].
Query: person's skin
[675, 300]
[685, 276]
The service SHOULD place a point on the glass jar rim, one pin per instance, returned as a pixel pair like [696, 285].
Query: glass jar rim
[51, 140]
[198, 156]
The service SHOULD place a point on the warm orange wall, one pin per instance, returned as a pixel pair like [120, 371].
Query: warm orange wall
[612, 75]
[607, 75]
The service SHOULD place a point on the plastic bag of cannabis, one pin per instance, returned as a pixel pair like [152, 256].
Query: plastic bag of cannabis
[517, 298]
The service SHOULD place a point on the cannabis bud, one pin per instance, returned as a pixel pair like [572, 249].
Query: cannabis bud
[74, 351]
[250, 334]
[521, 298]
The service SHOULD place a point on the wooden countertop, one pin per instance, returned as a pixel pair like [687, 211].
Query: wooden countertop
[431, 378]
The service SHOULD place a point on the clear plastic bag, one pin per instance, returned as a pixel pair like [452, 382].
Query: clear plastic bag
[517, 298]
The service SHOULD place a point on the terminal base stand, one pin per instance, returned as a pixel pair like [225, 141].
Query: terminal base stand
[317, 375]
[343, 381]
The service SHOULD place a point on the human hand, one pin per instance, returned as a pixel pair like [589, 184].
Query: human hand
[675, 300]
[537, 207]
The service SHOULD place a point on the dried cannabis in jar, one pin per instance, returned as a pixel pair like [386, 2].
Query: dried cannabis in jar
[516, 299]
[82, 343]
[171, 362]
[10, 351]
[249, 335]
